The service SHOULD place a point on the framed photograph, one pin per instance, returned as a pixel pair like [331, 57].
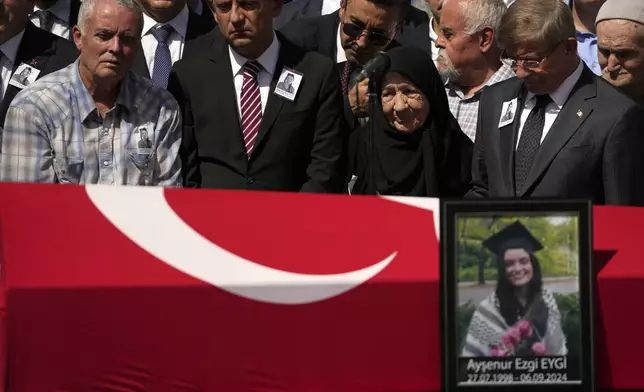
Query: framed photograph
[517, 295]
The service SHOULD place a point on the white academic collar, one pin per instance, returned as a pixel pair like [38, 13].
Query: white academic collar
[561, 94]
[61, 9]
[268, 59]
[340, 56]
[179, 23]
[11, 46]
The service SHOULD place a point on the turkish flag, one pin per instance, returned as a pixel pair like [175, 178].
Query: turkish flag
[91, 308]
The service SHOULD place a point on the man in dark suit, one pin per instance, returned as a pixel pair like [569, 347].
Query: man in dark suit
[22, 43]
[425, 35]
[573, 135]
[298, 9]
[239, 131]
[200, 8]
[56, 16]
[351, 37]
[168, 27]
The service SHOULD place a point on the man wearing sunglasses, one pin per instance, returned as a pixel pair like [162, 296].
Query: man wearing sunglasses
[573, 135]
[351, 37]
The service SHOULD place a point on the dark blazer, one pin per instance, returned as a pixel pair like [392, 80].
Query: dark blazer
[299, 146]
[41, 50]
[73, 12]
[197, 26]
[319, 34]
[298, 9]
[417, 36]
[594, 150]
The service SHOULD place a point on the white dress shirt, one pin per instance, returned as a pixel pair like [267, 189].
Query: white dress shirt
[340, 56]
[330, 6]
[175, 42]
[559, 98]
[62, 10]
[10, 51]
[268, 61]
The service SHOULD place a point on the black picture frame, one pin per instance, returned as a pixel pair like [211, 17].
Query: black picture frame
[452, 374]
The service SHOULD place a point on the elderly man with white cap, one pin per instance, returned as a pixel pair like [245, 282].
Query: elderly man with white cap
[620, 32]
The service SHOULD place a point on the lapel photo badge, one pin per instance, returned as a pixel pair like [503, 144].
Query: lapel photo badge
[143, 142]
[508, 111]
[24, 76]
[288, 84]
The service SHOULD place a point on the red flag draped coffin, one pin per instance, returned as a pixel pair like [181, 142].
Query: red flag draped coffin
[130, 289]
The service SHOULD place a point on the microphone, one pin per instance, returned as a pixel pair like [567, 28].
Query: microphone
[379, 63]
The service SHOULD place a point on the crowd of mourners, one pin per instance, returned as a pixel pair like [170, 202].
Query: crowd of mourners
[472, 98]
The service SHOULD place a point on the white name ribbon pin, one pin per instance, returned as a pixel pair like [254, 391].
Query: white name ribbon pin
[288, 84]
[508, 111]
[24, 76]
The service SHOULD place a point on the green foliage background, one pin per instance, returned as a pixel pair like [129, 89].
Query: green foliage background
[557, 259]
[569, 308]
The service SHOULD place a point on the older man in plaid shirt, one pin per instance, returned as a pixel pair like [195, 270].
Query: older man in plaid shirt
[469, 58]
[84, 124]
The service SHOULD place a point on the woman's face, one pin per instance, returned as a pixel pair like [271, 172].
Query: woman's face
[518, 267]
[405, 107]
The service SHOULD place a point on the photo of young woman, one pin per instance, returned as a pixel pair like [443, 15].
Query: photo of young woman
[520, 317]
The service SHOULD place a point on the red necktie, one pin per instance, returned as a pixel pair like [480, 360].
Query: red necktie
[251, 105]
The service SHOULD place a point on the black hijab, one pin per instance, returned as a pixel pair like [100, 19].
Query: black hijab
[434, 160]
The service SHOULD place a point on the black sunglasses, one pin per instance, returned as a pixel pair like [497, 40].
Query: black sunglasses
[354, 31]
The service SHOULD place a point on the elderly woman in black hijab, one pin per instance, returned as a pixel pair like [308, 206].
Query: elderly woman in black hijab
[418, 146]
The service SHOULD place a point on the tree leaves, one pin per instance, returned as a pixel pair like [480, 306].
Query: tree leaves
[558, 234]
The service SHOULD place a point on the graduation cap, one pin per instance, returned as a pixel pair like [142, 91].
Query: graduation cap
[513, 236]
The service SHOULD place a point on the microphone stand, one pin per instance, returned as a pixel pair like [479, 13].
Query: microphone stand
[371, 127]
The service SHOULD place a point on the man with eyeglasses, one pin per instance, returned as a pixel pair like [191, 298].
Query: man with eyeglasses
[351, 37]
[572, 135]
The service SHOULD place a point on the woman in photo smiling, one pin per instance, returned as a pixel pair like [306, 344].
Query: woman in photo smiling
[419, 148]
[520, 318]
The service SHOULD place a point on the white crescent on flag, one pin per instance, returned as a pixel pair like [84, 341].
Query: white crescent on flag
[158, 229]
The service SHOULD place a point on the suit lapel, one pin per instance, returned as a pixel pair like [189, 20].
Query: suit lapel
[275, 103]
[314, 8]
[223, 95]
[73, 14]
[34, 50]
[508, 133]
[570, 118]
[140, 65]
[328, 34]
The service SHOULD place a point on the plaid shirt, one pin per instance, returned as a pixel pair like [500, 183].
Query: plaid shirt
[53, 133]
[466, 110]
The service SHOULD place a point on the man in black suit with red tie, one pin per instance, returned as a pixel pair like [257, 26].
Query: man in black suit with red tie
[239, 131]
[571, 134]
[351, 37]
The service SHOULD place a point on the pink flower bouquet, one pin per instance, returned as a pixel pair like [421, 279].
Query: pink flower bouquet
[521, 340]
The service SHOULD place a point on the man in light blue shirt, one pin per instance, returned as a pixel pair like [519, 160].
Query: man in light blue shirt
[584, 13]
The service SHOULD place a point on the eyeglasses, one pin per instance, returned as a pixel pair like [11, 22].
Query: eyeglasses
[526, 63]
[354, 31]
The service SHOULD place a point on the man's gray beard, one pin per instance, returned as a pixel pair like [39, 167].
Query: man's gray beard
[448, 74]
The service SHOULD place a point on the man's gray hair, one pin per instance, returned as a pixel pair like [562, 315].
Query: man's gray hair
[87, 9]
[480, 14]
